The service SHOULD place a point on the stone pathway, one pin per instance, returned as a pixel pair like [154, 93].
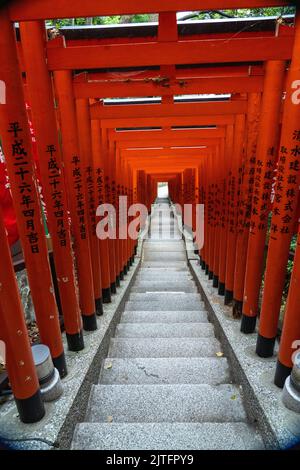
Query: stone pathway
[165, 383]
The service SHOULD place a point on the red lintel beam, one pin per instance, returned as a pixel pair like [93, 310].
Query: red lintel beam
[137, 136]
[171, 53]
[98, 111]
[135, 122]
[165, 152]
[237, 70]
[167, 143]
[162, 88]
[42, 9]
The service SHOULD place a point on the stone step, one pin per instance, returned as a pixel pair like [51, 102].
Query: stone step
[179, 265]
[171, 370]
[160, 278]
[165, 436]
[170, 274]
[162, 330]
[165, 403]
[183, 270]
[164, 347]
[166, 236]
[167, 281]
[164, 316]
[165, 296]
[164, 256]
[166, 305]
[164, 287]
[155, 246]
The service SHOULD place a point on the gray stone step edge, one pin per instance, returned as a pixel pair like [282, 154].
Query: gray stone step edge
[165, 436]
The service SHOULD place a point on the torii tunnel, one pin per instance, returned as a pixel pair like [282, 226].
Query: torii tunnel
[213, 112]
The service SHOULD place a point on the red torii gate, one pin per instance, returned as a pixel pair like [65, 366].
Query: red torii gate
[98, 167]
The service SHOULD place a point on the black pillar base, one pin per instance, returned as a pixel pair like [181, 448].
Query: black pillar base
[248, 324]
[210, 274]
[128, 265]
[31, 410]
[203, 265]
[113, 288]
[135, 250]
[121, 275]
[75, 341]
[265, 346]
[221, 288]
[125, 270]
[99, 307]
[106, 295]
[60, 364]
[130, 261]
[118, 280]
[89, 322]
[237, 308]
[228, 297]
[206, 269]
[215, 281]
[281, 374]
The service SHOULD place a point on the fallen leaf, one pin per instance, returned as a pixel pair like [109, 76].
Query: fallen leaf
[108, 366]
[233, 397]
[109, 419]
[219, 354]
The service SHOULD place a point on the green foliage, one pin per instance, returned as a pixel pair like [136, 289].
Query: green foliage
[245, 13]
[100, 20]
[140, 18]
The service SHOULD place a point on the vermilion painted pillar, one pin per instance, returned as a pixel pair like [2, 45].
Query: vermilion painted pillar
[225, 208]
[103, 244]
[74, 171]
[206, 213]
[52, 175]
[211, 217]
[20, 366]
[284, 208]
[244, 203]
[261, 201]
[16, 143]
[115, 202]
[108, 199]
[85, 149]
[239, 134]
[219, 157]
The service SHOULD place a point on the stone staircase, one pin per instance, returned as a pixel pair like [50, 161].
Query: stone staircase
[165, 383]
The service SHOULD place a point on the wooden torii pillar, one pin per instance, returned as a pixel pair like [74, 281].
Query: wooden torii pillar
[16, 141]
[51, 166]
[284, 212]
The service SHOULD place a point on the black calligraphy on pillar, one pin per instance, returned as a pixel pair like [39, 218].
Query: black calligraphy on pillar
[26, 185]
[55, 183]
[79, 196]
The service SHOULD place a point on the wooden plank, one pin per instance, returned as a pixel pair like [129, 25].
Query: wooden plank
[46, 9]
[163, 153]
[170, 53]
[98, 111]
[179, 121]
[239, 70]
[166, 143]
[165, 87]
[138, 136]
